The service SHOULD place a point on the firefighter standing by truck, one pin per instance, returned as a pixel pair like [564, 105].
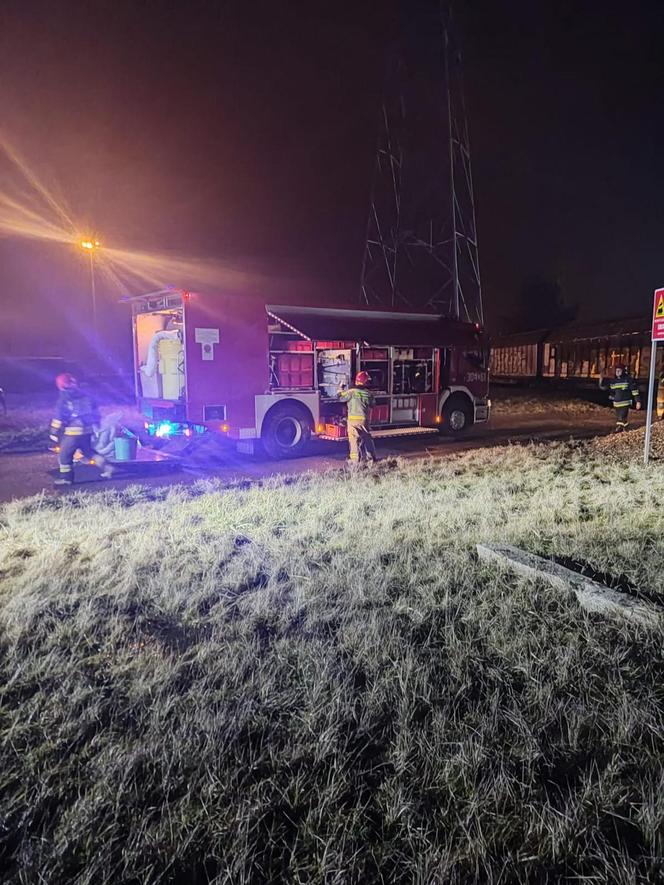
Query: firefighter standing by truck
[76, 416]
[359, 400]
[623, 389]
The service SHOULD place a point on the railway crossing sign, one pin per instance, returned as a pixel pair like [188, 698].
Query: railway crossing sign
[657, 335]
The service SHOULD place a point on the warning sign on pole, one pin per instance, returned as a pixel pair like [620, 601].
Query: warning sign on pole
[658, 316]
[657, 335]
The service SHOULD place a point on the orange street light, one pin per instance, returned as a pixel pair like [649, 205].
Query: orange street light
[91, 245]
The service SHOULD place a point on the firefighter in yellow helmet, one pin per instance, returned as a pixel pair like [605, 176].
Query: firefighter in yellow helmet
[359, 400]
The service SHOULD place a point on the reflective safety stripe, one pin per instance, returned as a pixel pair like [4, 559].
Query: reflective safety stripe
[66, 468]
[356, 418]
[621, 403]
[75, 431]
[56, 422]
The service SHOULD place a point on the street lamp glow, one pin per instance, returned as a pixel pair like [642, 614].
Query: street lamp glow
[90, 245]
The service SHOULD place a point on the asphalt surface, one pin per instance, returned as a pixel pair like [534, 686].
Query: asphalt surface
[30, 474]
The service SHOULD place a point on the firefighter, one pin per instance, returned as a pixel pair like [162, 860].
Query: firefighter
[660, 396]
[360, 400]
[76, 416]
[622, 390]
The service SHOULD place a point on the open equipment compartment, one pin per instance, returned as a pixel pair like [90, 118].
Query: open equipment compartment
[159, 350]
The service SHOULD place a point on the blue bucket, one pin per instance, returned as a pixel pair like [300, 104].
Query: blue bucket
[125, 448]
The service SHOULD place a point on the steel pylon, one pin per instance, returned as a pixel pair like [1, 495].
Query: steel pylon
[421, 246]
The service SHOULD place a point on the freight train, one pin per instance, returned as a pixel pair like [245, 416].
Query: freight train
[573, 355]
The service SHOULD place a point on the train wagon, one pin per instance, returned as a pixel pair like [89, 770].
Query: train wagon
[573, 355]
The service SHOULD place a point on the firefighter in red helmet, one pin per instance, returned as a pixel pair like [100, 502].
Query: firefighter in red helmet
[76, 415]
[623, 389]
[359, 400]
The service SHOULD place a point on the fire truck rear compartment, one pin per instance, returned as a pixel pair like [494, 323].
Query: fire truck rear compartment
[160, 354]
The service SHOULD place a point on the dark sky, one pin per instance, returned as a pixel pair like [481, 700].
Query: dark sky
[245, 132]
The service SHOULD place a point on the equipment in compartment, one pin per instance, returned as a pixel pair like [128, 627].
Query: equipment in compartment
[370, 354]
[412, 370]
[294, 370]
[334, 369]
[161, 355]
[404, 409]
[380, 413]
[336, 431]
[171, 368]
[335, 345]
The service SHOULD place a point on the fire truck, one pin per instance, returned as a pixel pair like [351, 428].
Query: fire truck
[257, 371]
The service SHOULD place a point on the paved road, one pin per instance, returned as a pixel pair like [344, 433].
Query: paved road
[30, 474]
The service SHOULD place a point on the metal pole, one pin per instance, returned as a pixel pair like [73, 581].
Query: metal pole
[455, 257]
[651, 391]
[93, 291]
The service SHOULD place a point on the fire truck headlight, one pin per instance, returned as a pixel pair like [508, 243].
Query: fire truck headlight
[224, 428]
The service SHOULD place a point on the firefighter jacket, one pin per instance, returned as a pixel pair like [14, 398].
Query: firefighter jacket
[360, 400]
[621, 390]
[76, 413]
[660, 397]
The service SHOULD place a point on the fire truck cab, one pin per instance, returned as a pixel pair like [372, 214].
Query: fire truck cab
[254, 370]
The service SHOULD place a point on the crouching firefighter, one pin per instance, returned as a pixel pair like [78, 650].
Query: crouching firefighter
[76, 415]
[623, 389]
[360, 400]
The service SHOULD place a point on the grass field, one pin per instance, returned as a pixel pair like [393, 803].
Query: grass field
[25, 425]
[315, 680]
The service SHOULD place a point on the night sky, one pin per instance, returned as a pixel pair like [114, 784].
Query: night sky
[245, 132]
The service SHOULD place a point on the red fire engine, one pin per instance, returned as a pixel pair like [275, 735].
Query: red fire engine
[254, 370]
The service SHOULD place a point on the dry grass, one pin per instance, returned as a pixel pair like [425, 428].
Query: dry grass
[25, 426]
[630, 446]
[510, 401]
[316, 681]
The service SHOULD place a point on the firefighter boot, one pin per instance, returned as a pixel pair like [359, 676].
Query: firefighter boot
[622, 418]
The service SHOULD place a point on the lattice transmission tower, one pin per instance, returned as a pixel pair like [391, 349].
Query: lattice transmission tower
[421, 243]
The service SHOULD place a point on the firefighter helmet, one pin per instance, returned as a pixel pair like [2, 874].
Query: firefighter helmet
[362, 377]
[622, 368]
[65, 380]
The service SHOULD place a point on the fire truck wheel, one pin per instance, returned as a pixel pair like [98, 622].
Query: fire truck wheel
[457, 415]
[286, 430]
